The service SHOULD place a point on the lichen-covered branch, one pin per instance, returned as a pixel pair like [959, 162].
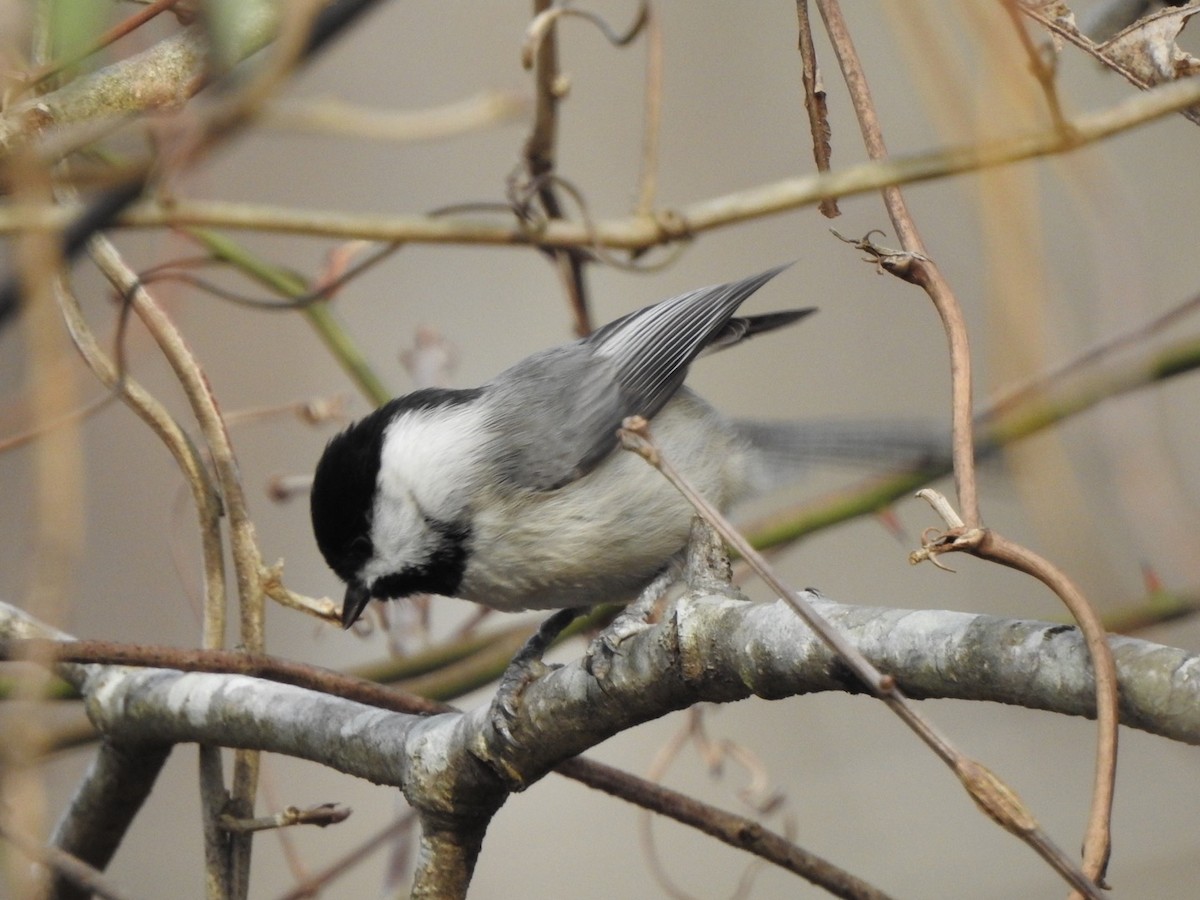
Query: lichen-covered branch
[711, 648]
[748, 649]
[158, 79]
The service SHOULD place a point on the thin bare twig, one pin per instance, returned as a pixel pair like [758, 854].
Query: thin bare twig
[228, 662]
[917, 267]
[730, 828]
[987, 544]
[814, 103]
[21, 438]
[540, 146]
[995, 798]
[322, 816]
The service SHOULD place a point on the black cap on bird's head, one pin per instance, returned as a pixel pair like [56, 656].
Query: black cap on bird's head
[341, 503]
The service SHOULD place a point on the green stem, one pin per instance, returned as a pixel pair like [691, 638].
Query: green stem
[320, 315]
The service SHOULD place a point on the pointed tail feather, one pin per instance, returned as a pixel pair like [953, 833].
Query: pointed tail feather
[743, 328]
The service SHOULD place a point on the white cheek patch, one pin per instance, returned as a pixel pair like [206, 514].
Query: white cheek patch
[398, 535]
[428, 454]
[425, 471]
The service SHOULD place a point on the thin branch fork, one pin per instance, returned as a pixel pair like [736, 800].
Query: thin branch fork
[541, 54]
[247, 561]
[988, 545]
[919, 268]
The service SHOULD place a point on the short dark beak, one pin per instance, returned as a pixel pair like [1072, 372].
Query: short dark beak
[358, 595]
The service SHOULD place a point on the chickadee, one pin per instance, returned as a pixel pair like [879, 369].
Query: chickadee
[515, 494]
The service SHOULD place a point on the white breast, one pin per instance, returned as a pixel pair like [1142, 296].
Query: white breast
[604, 537]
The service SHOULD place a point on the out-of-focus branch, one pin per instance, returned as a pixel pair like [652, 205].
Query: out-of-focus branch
[158, 79]
[220, 120]
[1072, 389]
[247, 561]
[1144, 68]
[77, 877]
[320, 316]
[641, 232]
[54, 526]
[127, 26]
[344, 120]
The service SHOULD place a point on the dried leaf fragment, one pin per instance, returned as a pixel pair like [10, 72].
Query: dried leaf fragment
[1149, 50]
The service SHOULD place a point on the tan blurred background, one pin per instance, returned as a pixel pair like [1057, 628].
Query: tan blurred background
[1073, 249]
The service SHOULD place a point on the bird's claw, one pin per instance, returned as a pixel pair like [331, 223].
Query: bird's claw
[506, 704]
[524, 669]
[598, 657]
[637, 617]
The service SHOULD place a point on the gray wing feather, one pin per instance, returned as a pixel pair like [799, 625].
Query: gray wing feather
[652, 348]
[557, 412]
[555, 417]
